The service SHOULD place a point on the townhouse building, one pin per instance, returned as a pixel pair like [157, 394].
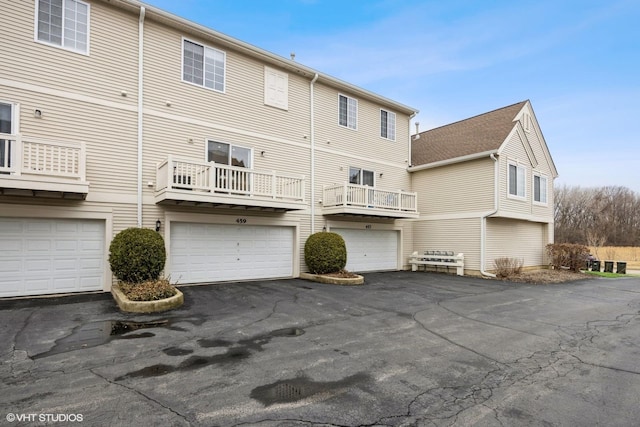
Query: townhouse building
[116, 114]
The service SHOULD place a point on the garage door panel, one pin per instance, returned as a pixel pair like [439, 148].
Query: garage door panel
[37, 285]
[370, 250]
[229, 252]
[45, 256]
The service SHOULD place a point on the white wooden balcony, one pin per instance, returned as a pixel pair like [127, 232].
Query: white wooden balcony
[353, 199]
[192, 182]
[32, 166]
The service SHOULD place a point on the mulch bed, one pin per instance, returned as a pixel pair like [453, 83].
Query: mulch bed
[151, 290]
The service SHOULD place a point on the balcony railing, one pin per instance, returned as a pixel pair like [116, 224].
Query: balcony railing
[366, 200]
[32, 164]
[223, 184]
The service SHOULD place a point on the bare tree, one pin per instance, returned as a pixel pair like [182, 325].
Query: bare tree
[597, 216]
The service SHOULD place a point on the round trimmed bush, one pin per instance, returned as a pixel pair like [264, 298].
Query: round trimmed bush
[325, 253]
[137, 255]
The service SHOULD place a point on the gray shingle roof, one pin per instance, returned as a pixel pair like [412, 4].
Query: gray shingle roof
[485, 132]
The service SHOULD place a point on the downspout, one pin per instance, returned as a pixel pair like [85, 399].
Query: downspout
[140, 106]
[409, 158]
[312, 140]
[483, 223]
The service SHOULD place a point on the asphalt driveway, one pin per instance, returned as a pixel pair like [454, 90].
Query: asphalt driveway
[405, 349]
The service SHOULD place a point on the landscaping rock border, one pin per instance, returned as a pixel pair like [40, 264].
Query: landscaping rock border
[125, 304]
[330, 280]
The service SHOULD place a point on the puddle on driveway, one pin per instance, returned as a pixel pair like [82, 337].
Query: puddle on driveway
[235, 352]
[296, 389]
[97, 333]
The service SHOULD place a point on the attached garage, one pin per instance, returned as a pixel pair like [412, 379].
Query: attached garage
[201, 253]
[513, 238]
[370, 250]
[50, 256]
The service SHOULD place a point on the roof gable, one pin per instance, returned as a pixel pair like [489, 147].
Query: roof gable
[483, 133]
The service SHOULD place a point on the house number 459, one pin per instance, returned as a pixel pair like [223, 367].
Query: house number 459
[241, 220]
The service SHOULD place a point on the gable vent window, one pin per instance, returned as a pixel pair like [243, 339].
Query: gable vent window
[63, 23]
[527, 122]
[348, 115]
[388, 125]
[203, 65]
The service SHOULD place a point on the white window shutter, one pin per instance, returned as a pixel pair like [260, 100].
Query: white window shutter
[276, 88]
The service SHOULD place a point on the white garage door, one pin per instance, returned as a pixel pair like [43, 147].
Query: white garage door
[213, 252]
[370, 250]
[49, 256]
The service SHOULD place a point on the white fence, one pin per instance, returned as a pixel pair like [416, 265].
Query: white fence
[369, 197]
[25, 156]
[215, 177]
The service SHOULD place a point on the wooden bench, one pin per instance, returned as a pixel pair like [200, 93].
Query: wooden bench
[437, 258]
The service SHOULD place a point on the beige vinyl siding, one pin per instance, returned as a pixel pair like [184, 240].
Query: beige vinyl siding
[110, 68]
[458, 235]
[544, 168]
[514, 151]
[516, 239]
[365, 140]
[123, 214]
[407, 242]
[240, 106]
[108, 133]
[164, 137]
[457, 188]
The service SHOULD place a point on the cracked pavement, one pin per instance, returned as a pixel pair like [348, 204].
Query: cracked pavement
[406, 349]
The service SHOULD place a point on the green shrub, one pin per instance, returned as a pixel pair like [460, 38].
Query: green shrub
[325, 253]
[567, 255]
[137, 255]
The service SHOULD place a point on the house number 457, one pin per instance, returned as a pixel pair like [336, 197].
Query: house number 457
[241, 220]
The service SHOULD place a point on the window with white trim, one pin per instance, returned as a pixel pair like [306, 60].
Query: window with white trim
[203, 65]
[348, 115]
[388, 125]
[228, 154]
[540, 189]
[517, 180]
[361, 176]
[276, 88]
[63, 23]
[8, 126]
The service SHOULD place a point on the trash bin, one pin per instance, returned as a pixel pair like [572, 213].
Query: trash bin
[621, 267]
[608, 266]
[595, 265]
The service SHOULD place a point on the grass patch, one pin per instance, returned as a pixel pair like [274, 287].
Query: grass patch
[609, 275]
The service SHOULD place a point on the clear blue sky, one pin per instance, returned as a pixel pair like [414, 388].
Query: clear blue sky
[578, 61]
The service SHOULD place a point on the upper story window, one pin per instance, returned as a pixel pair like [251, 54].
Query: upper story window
[388, 125]
[540, 189]
[63, 23]
[361, 176]
[203, 65]
[228, 154]
[348, 115]
[517, 180]
[276, 88]
[7, 126]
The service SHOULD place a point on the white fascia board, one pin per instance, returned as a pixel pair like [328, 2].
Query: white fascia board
[446, 162]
